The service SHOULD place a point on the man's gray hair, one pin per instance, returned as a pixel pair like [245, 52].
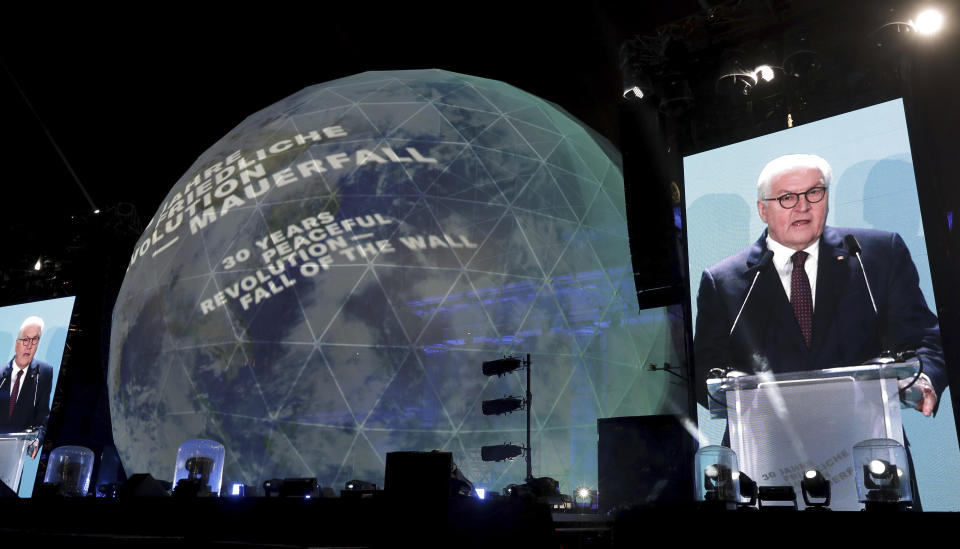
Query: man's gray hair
[788, 163]
[31, 321]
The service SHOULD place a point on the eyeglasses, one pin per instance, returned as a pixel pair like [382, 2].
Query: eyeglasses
[790, 200]
[29, 341]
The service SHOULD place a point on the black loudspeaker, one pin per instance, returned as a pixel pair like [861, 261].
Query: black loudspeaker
[143, 485]
[422, 476]
[644, 460]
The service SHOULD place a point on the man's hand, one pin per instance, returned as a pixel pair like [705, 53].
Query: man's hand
[921, 394]
[34, 449]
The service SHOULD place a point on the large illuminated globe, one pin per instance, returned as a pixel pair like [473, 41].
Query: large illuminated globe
[322, 286]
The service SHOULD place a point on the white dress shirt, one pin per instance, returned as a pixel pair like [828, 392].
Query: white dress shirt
[783, 263]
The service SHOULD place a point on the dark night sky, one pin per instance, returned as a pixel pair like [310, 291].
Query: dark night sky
[132, 100]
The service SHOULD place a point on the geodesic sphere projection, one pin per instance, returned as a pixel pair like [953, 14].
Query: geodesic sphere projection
[322, 286]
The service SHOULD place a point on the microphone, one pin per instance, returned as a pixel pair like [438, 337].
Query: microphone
[765, 260]
[853, 247]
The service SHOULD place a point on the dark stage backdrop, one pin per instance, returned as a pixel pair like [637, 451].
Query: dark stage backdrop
[322, 285]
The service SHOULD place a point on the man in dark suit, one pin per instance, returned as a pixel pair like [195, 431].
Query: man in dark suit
[810, 307]
[25, 385]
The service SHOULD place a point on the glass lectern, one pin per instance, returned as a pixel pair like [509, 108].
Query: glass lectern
[14, 448]
[781, 425]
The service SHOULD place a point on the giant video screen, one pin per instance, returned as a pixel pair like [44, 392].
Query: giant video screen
[32, 340]
[870, 194]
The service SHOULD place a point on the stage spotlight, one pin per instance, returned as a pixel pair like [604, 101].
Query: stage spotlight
[882, 475]
[815, 485]
[481, 493]
[38, 264]
[501, 366]
[585, 497]
[676, 95]
[359, 485]
[68, 472]
[501, 406]
[358, 489]
[199, 470]
[928, 22]
[763, 72]
[636, 82]
[718, 480]
[748, 491]
[633, 92]
[500, 452]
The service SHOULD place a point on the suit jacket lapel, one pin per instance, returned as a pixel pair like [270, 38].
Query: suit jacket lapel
[833, 268]
[772, 309]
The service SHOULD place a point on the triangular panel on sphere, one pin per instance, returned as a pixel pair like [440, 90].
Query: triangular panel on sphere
[393, 92]
[541, 195]
[510, 171]
[507, 251]
[506, 98]
[408, 406]
[387, 118]
[469, 122]
[279, 367]
[362, 373]
[420, 241]
[323, 449]
[542, 140]
[503, 136]
[220, 374]
[548, 237]
[466, 179]
[426, 124]
[466, 96]
[366, 318]
[417, 294]
[457, 380]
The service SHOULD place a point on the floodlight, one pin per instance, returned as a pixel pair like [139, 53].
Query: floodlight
[38, 264]
[501, 406]
[500, 452]
[501, 366]
[928, 22]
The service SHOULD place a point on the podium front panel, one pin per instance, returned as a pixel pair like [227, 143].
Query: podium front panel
[13, 451]
[781, 429]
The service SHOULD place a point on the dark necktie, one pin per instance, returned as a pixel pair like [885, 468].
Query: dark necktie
[13, 395]
[801, 298]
